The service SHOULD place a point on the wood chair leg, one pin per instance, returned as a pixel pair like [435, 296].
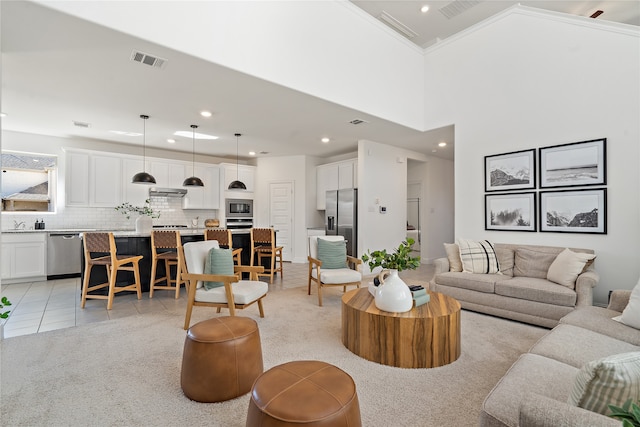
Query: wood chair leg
[187, 317]
[219, 310]
[85, 284]
[178, 273]
[136, 275]
[154, 265]
[319, 294]
[309, 285]
[112, 285]
[273, 265]
[260, 307]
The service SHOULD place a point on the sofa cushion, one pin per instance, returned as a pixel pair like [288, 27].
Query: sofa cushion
[532, 263]
[219, 261]
[631, 314]
[333, 254]
[564, 270]
[478, 257]
[566, 344]
[474, 282]
[453, 255]
[608, 381]
[599, 319]
[540, 290]
[505, 260]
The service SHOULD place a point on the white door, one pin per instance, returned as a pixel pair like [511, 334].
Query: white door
[281, 215]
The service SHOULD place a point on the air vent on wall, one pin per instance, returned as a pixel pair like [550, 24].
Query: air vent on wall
[397, 25]
[357, 121]
[81, 124]
[456, 7]
[145, 58]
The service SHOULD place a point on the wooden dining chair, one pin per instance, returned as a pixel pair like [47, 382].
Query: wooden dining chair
[225, 240]
[103, 246]
[165, 249]
[263, 245]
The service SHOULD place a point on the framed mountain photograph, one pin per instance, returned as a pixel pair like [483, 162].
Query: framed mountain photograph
[578, 163]
[510, 171]
[510, 212]
[574, 211]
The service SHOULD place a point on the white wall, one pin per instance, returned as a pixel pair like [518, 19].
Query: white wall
[529, 79]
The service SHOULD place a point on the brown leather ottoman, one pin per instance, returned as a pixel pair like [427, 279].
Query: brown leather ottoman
[222, 358]
[306, 392]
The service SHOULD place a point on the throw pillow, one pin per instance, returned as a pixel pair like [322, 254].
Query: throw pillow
[564, 270]
[478, 257]
[333, 254]
[608, 381]
[533, 263]
[453, 254]
[219, 261]
[631, 314]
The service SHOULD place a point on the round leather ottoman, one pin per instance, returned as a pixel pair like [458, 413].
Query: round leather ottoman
[306, 392]
[222, 358]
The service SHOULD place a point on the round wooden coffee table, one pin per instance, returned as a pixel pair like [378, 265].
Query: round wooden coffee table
[424, 337]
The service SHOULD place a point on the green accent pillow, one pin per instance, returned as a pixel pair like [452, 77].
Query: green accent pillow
[332, 254]
[219, 261]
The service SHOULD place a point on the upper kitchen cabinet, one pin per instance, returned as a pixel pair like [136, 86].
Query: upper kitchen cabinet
[243, 173]
[77, 179]
[207, 197]
[105, 181]
[136, 194]
[335, 176]
[169, 174]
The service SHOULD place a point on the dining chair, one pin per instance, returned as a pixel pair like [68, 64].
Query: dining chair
[225, 240]
[263, 245]
[230, 291]
[165, 249]
[103, 246]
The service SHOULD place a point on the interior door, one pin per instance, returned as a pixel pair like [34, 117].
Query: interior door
[281, 215]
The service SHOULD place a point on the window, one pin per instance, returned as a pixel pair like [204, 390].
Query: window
[28, 182]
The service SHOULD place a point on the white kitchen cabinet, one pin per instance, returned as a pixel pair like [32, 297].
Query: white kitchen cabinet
[24, 257]
[334, 176]
[244, 173]
[169, 174]
[207, 197]
[77, 179]
[105, 181]
[136, 194]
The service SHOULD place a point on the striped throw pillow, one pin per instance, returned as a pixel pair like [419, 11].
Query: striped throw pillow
[478, 257]
[219, 261]
[609, 381]
[333, 254]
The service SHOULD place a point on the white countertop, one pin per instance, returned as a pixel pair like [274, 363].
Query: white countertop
[121, 233]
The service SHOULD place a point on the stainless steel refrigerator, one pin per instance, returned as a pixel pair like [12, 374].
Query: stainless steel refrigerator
[341, 217]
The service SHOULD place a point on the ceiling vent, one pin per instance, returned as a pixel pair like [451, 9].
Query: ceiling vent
[145, 58]
[397, 25]
[81, 124]
[357, 121]
[456, 7]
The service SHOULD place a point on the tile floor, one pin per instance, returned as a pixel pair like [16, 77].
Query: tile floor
[55, 304]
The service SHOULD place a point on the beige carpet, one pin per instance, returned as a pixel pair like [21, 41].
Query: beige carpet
[126, 372]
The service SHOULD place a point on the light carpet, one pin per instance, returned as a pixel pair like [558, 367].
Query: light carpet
[126, 372]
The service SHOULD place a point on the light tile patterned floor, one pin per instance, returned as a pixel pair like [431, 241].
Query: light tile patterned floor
[55, 304]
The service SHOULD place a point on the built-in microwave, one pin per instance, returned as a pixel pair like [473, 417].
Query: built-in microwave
[239, 208]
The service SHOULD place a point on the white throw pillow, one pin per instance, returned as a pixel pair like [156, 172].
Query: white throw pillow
[608, 381]
[631, 314]
[453, 254]
[564, 270]
[478, 257]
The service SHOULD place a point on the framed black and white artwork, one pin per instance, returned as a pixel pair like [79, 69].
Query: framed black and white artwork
[510, 212]
[574, 211]
[575, 164]
[510, 171]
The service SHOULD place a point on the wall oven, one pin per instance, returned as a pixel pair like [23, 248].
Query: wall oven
[239, 208]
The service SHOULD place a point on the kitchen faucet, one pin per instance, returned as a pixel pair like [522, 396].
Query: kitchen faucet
[18, 225]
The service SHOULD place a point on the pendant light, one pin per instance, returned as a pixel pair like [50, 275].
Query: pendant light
[193, 181]
[143, 177]
[237, 184]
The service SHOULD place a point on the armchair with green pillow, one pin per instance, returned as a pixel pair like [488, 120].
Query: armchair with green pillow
[329, 264]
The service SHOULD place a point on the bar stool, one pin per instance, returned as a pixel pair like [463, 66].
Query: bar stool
[101, 243]
[263, 244]
[169, 244]
[225, 241]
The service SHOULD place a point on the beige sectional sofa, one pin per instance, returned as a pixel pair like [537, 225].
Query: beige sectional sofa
[521, 290]
[536, 389]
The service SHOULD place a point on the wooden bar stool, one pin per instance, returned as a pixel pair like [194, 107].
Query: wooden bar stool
[165, 247]
[263, 244]
[225, 241]
[104, 243]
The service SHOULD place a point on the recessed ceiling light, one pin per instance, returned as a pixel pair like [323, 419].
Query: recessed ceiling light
[325, 140]
[424, 9]
[252, 153]
[171, 141]
[442, 144]
[121, 132]
[205, 113]
[189, 134]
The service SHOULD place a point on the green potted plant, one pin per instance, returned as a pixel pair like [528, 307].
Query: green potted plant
[144, 213]
[393, 294]
[629, 413]
[4, 302]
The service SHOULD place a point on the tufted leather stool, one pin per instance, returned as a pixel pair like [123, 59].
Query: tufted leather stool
[222, 358]
[307, 392]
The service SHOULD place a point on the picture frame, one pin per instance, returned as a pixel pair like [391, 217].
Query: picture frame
[574, 211]
[510, 212]
[581, 163]
[510, 171]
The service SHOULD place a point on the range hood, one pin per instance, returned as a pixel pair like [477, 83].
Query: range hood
[167, 192]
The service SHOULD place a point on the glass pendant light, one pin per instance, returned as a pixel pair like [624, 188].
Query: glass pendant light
[143, 177]
[237, 184]
[193, 181]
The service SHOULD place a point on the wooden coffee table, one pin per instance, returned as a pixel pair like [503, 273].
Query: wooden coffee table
[424, 337]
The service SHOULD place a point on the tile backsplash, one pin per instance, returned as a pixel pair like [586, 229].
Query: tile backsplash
[68, 217]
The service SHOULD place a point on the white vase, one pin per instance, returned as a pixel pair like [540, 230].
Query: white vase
[144, 224]
[393, 294]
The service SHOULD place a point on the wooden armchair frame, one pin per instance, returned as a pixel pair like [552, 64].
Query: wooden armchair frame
[352, 263]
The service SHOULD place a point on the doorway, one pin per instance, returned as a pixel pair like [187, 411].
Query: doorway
[281, 215]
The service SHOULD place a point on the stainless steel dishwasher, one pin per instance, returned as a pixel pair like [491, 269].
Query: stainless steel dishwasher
[64, 254]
